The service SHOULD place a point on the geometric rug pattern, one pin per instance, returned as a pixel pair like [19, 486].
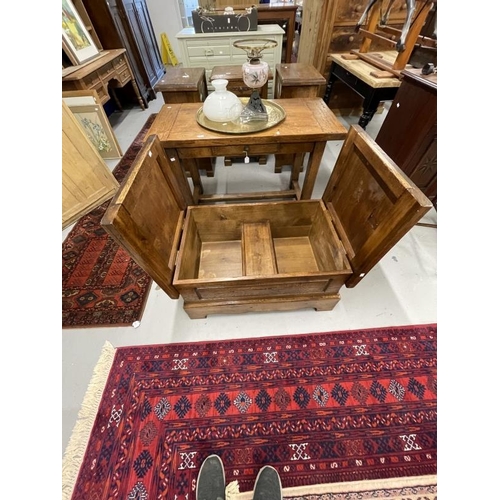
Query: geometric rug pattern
[101, 284]
[321, 408]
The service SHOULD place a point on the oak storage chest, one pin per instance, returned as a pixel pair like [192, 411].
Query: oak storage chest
[266, 256]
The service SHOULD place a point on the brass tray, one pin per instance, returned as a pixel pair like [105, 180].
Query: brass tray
[276, 114]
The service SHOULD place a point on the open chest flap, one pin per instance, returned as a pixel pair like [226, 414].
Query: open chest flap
[266, 256]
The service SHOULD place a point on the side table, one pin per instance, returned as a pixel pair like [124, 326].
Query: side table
[359, 76]
[183, 85]
[296, 80]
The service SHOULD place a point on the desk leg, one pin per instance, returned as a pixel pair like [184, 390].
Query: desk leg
[370, 105]
[315, 157]
[138, 94]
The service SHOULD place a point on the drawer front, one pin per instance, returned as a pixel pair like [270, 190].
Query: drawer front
[102, 92]
[91, 79]
[119, 61]
[212, 51]
[106, 72]
[124, 76]
[346, 77]
[280, 289]
[209, 62]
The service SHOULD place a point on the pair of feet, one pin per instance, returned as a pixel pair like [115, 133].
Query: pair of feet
[211, 484]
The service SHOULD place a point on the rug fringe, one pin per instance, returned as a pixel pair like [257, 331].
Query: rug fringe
[343, 487]
[77, 445]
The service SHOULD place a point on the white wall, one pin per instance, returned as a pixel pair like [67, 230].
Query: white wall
[166, 18]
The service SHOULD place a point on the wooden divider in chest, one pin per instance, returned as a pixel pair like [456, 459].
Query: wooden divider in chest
[266, 256]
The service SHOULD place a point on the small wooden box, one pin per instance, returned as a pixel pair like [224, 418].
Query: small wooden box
[183, 85]
[269, 256]
[298, 80]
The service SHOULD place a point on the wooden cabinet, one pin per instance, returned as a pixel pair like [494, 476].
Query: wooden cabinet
[87, 182]
[266, 256]
[206, 50]
[409, 132]
[126, 24]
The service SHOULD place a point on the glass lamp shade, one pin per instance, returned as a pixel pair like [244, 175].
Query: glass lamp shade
[255, 74]
[222, 105]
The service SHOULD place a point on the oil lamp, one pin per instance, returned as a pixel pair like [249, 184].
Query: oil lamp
[255, 76]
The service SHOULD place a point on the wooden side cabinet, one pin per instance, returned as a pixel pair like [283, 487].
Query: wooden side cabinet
[409, 132]
[87, 181]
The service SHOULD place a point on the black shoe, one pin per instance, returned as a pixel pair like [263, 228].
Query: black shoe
[267, 484]
[211, 484]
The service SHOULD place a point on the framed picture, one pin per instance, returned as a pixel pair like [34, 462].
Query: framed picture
[85, 106]
[76, 40]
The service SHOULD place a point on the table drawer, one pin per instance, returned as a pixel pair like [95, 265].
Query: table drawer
[220, 51]
[124, 76]
[346, 77]
[91, 79]
[106, 71]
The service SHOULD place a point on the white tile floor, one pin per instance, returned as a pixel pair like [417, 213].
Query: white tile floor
[400, 290]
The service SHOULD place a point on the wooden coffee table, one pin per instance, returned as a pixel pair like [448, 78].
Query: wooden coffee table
[308, 125]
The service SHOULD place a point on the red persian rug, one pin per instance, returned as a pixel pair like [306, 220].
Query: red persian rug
[101, 284]
[321, 408]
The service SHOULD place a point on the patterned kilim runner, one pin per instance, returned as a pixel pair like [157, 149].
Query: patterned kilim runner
[101, 284]
[321, 408]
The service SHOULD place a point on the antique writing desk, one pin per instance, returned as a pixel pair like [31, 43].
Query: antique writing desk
[359, 76]
[103, 74]
[308, 125]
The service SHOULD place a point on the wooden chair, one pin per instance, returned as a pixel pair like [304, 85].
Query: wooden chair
[388, 36]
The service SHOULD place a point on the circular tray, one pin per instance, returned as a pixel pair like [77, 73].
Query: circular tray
[275, 112]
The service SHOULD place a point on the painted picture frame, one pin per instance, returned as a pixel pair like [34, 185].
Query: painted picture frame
[76, 40]
[86, 108]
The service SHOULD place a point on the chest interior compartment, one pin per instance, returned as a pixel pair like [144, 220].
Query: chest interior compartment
[265, 256]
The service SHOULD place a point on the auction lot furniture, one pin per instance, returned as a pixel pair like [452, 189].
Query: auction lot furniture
[106, 72]
[206, 50]
[87, 181]
[362, 77]
[296, 80]
[183, 85]
[267, 256]
[409, 132]
[308, 125]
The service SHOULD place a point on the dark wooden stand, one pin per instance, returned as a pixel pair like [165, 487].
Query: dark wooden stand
[409, 132]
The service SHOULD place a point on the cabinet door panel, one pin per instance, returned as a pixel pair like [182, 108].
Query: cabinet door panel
[86, 180]
[137, 15]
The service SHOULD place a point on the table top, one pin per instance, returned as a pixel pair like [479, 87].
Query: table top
[299, 73]
[307, 120]
[362, 69]
[176, 78]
